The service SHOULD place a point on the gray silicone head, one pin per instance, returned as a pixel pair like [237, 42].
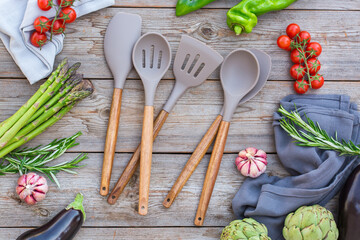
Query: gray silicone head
[194, 62]
[239, 74]
[121, 35]
[151, 58]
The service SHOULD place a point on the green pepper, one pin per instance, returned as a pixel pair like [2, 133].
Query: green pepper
[184, 7]
[243, 17]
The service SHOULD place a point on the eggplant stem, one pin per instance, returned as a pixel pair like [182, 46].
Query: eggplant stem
[77, 204]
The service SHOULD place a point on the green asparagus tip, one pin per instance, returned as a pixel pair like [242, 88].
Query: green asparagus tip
[77, 204]
[237, 29]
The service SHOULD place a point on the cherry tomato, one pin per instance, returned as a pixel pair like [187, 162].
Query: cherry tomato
[313, 49]
[304, 35]
[313, 65]
[42, 24]
[317, 81]
[65, 3]
[284, 42]
[297, 71]
[296, 57]
[44, 5]
[58, 27]
[38, 39]
[68, 14]
[301, 86]
[292, 30]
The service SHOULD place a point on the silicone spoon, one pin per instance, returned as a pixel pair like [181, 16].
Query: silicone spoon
[194, 62]
[239, 74]
[123, 31]
[265, 67]
[151, 57]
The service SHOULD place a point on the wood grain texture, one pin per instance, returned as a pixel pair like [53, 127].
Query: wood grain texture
[134, 161]
[110, 141]
[338, 32]
[193, 161]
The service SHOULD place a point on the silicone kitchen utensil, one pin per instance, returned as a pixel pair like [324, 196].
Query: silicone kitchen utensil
[239, 74]
[265, 67]
[123, 31]
[194, 62]
[151, 57]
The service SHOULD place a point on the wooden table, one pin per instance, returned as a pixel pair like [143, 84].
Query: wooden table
[335, 24]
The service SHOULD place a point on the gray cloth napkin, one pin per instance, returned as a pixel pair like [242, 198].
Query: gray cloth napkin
[16, 25]
[316, 175]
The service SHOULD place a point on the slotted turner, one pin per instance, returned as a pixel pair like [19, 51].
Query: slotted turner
[194, 62]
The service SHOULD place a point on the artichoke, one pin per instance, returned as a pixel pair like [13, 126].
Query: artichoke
[246, 229]
[310, 223]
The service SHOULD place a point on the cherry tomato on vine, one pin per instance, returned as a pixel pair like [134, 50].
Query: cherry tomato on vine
[284, 42]
[44, 5]
[38, 39]
[58, 27]
[301, 86]
[65, 3]
[297, 71]
[42, 24]
[317, 81]
[304, 35]
[68, 14]
[314, 49]
[313, 65]
[296, 57]
[292, 30]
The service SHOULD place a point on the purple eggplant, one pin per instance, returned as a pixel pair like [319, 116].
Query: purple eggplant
[64, 226]
[349, 208]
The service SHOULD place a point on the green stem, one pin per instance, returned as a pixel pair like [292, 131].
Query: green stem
[77, 204]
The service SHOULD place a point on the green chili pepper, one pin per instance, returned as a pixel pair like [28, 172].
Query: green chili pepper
[184, 7]
[243, 17]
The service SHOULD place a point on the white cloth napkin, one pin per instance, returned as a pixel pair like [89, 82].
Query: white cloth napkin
[16, 25]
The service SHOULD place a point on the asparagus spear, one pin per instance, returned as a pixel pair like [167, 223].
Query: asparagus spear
[63, 75]
[7, 124]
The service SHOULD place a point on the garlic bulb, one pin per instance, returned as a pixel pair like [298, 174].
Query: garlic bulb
[251, 162]
[32, 188]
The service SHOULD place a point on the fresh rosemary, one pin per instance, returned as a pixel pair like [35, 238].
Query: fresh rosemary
[311, 134]
[34, 159]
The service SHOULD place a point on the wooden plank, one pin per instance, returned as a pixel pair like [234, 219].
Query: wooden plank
[304, 4]
[183, 233]
[165, 170]
[186, 124]
[336, 31]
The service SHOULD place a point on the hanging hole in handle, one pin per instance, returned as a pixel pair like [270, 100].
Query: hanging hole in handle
[104, 188]
[199, 70]
[142, 207]
[185, 61]
[168, 200]
[152, 56]
[159, 61]
[193, 63]
[113, 197]
[143, 58]
[199, 218]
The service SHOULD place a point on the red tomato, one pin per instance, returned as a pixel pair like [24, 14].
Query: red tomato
[317, 81]
[296, 57]
[297, 71]
[292, 30]
[42, 24]
[313, 49]
[304, 35]
[313, 65]
[65, 3]
[38, 39]
[68, 14]
[44, 5]
[284, 42]
[301, 86]
[58, 27]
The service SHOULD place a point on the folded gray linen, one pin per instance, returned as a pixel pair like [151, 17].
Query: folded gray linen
[316, 175]
[16, 26]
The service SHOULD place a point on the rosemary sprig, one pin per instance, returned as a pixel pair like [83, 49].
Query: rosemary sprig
[311, 134]
[34, 159]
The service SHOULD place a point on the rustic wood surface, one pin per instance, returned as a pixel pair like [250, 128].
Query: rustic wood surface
[335, 25]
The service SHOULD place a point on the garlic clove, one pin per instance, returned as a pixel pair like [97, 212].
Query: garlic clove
[251, 150]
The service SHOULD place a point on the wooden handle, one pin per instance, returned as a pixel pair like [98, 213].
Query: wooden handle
[145, 159]
[193, 162]
[212, 172]
[110, 142]
[134, 161]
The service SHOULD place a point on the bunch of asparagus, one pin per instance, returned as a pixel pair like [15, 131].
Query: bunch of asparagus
[57, 96]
